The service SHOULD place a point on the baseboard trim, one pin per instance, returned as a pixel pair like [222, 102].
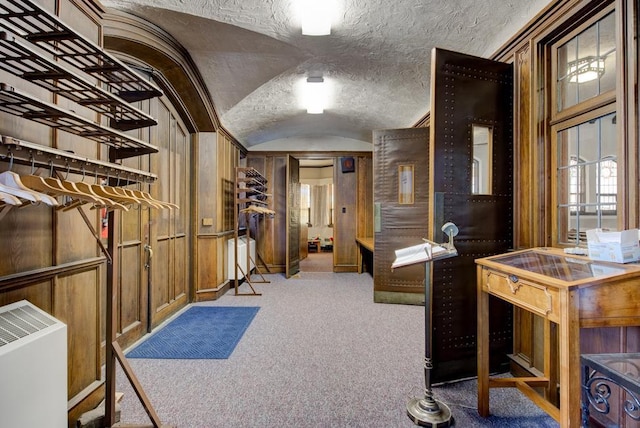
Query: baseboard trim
[398, 298]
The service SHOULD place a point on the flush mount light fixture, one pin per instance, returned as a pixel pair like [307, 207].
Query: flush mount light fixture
[585, 69]
[316, 17]
[315, 97]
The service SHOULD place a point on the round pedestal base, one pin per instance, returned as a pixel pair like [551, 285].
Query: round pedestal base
[435, 414]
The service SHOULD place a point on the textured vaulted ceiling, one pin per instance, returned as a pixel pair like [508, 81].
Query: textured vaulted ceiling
[252, 56]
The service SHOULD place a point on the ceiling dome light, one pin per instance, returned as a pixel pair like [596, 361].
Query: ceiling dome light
[316, 17]
[315, 97]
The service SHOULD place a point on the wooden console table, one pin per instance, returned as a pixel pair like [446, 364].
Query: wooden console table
[571, 291]
[364, 244]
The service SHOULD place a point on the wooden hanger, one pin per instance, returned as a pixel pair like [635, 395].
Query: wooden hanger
[110, 192]
[146, 196]
[41, 184]
[142, 200]
[13, 180]
[90, 188]
[8, 185]
[9, 199]
[53, 186]
[79, 194]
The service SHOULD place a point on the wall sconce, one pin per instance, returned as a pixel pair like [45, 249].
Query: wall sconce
[585, 69]
[316, 17]
[315, 95]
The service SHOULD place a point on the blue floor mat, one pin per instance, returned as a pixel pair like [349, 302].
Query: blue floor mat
[201, 332]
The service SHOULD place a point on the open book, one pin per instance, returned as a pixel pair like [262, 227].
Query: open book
[419, 254]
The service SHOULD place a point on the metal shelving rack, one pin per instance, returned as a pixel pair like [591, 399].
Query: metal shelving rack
[251, 200]
[33, 45]
[36, 25]
[22, 59]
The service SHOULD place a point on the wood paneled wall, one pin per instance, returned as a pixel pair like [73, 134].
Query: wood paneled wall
[48, 256]
[51, 258]
[216, 161]
[364, 209]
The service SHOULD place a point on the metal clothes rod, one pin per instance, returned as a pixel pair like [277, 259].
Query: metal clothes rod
[26, 153]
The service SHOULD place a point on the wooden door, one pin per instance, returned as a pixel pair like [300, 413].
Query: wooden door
[153, 245]
[292, 265]
[471, 180]
[401, 204]
[170, 238]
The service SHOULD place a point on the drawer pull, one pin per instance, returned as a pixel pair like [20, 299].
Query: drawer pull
[512, 280]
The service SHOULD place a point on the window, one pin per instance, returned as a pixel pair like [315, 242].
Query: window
[608, 185]
[584, 132]
[587, 179]
[305, 203]
[586, 64]
[576, 184]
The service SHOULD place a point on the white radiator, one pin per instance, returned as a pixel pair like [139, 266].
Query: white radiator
[242, 256]
[33, 368]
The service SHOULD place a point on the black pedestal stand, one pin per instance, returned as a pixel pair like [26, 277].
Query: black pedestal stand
[428, 411]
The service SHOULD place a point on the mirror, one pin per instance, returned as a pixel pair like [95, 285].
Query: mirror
[482, 159]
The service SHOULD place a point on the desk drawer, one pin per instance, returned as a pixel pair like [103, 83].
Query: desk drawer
[534, 297]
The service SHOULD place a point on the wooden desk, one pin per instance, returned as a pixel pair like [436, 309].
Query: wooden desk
[313, 245]
[570, 291]
[364, 244]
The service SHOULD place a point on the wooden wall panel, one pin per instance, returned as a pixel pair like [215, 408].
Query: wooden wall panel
[364, 201]
[527, 201]
[227, 162]
[27, 239]
[161, 274]
[345, 220]
[181, 276]
[219, 260]
[208, 254]
[206, 197]
[524, 158]
[131, 289]
[39, 293]
[80, 243]
[216, 161]
[76, 299]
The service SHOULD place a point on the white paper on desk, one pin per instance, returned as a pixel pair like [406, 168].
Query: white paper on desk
[416, 254]
[613, 246]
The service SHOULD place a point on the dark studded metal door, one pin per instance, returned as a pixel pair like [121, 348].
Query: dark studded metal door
[401, 201]
[471, 183]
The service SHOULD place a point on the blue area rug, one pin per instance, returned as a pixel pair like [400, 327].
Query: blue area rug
[201, 332]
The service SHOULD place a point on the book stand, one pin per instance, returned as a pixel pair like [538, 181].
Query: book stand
[428, 411]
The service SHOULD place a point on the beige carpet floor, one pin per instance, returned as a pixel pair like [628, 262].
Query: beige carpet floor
[317, 262]
[319, 354]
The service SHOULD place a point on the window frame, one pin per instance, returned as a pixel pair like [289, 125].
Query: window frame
[596, 102]
[555, 130]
